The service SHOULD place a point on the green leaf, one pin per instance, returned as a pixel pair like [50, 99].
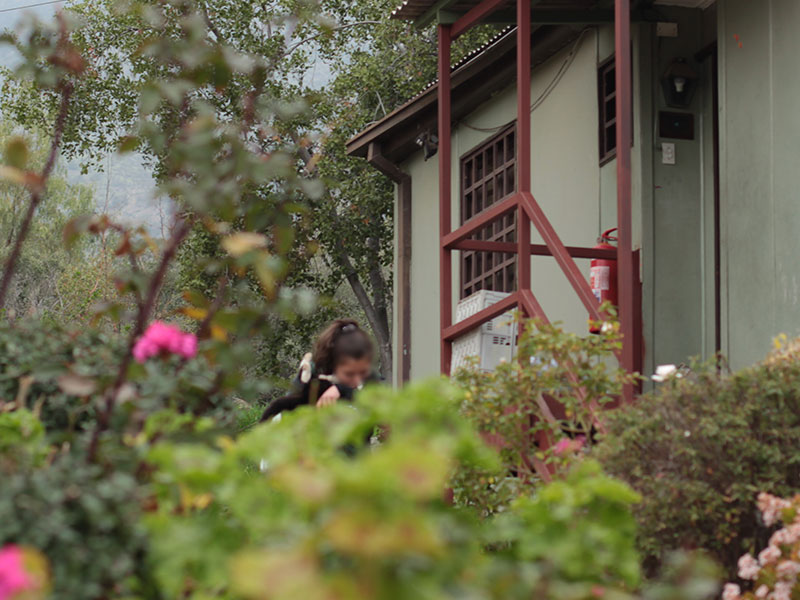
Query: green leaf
[16, 153]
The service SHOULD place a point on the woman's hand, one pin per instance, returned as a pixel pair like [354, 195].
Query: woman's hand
[329, 398]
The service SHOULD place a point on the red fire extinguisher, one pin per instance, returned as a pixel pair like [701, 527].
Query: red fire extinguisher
[603, 273]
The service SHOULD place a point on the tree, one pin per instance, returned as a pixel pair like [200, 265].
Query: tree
[378, 64]
[44, 262]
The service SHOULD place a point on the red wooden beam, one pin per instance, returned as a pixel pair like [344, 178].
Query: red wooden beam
[568, 266]
[535, 249]
[475, 15]
[523, 96]
[532, 306]
[479, 318]
[625, 260]
[479, 221]
[523, 143]
[445, 197]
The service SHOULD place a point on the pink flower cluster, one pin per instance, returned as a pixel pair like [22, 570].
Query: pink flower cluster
[771, 507]
[566, 445]
[162, 338]
[777, 564]
[13, 578]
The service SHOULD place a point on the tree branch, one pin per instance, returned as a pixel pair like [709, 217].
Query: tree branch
[38, 193]
[210, 24]
[376, 315]
[180, 231]
[321, 33]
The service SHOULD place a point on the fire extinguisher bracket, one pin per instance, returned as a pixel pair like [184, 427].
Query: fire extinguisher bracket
[603, 273]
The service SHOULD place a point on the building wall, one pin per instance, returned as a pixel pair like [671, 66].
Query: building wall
[672, 204]
[567, 181]
[760, 158]
[677, 200]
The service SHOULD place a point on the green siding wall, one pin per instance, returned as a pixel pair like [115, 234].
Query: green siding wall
[567, 182]
[760, 162]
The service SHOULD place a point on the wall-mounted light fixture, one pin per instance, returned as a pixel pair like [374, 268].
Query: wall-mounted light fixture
[429, 142]
[679, 84]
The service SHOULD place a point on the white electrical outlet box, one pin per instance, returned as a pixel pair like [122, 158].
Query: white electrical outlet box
[668, 153]
[667, 29]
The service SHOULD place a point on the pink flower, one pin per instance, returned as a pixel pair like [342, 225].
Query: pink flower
[188, 346]
[562, 446]
[769, 555]
[782, 591]
[762, 591]
[160, 337]
[748, 567]
[771, 507]
[731, 591]
[566, 445]
[786, 536]
[13, 578]
[788, 569]
[144, 349]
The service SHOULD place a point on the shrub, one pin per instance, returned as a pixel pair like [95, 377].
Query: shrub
[538, 408]
[699, 449]
[774, 574]
[284, 512]
[83, 519]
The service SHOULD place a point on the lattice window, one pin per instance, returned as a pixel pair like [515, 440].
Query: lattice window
[607, 109]
[488, 174]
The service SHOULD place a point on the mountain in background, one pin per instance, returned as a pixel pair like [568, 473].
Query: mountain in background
[125, 190]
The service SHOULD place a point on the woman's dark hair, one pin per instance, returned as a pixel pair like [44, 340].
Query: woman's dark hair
[341, 339]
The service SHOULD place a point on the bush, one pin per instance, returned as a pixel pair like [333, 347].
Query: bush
[538, 408]
[288, 511]
[700, 448]
[84, 520]
[774, 574]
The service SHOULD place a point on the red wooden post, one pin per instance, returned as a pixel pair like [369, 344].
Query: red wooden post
[523, 142]
[445, 197]
[622, 38]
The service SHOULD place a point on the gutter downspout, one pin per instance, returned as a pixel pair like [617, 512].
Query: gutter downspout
[402, 302]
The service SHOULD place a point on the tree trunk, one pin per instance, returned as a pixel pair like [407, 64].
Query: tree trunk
[375, 309]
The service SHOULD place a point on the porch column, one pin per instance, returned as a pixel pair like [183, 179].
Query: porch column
[625, 259]
[445, 196]
[523, 144]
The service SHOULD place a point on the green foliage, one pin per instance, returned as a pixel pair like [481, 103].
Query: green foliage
[347, 238]
[44, 259]
[701, 447]
[54, 372]
[86, 521]
[578, 532]
[328, 514]
[128, 471]
[552, 392]
[22, 440]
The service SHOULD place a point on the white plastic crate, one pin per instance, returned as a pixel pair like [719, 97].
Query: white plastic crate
[493, 342]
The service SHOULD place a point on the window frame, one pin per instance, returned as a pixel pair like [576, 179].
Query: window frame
[496, 271]
[608, 65]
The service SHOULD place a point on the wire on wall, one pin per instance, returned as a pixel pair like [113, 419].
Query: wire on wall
[568, 60]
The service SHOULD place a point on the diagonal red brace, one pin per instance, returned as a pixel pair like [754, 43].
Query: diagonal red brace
[560, 253]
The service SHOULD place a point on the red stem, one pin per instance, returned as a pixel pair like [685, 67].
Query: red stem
[37, 194]
[180, 231]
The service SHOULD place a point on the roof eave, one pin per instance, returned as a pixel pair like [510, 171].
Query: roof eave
[474, 82]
